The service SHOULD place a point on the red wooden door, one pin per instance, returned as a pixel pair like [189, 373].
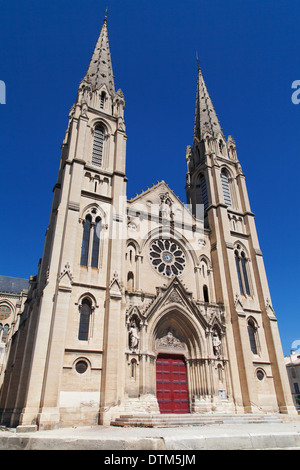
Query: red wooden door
[171, 384]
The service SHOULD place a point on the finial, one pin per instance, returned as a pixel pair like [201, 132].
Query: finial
[197, 58]
[106, 13]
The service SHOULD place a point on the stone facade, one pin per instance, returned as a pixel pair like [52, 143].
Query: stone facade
[123, 282]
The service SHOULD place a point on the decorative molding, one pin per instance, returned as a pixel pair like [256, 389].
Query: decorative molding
[74, 206]
[229, 245]
[65, 279]
[258, 252]
[115, 286]
[66, 271]
[174, 297]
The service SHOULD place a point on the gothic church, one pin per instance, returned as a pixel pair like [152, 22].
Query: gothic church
[145, 306]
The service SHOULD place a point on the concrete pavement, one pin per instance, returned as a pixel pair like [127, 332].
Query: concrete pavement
[285, 435]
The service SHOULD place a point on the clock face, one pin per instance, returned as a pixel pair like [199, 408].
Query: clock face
[167, 257]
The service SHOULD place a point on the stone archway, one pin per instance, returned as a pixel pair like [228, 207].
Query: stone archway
[177, 341]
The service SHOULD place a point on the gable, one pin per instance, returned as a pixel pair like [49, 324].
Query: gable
[159, 206]
[175, 295]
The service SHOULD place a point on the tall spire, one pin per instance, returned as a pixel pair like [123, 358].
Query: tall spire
[206, 119]
[100, 68]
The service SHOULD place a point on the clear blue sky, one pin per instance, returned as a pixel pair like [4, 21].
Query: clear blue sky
[249, 54]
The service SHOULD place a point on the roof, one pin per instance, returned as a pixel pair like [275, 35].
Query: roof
[294, 363]
[13, 284]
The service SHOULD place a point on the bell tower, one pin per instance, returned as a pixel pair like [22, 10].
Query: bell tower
[74, 315]
[216, 180]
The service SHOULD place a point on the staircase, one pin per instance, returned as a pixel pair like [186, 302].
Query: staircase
[173, 420]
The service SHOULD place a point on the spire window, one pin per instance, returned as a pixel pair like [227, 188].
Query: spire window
[102, 100]
[98, 146]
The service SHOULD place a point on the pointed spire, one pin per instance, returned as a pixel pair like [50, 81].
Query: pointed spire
[206, 119]
[100, 68]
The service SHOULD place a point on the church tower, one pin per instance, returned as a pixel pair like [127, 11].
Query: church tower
[215, 179]
[75, 304]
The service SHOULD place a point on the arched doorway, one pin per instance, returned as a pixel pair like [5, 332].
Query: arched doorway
[172, 384]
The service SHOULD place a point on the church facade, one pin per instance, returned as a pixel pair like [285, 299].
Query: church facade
[145, 305]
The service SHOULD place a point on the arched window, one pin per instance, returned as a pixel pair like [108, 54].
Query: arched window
[98, 146]
[225, 187]
[96, 243]
[237, 262]
[242, 272]
[133, 365]
[205, 294]
[90, 242]
[84, 321]
[252, 332]
[130, 281]
[5, 333]
[85, 241]
[245, 275]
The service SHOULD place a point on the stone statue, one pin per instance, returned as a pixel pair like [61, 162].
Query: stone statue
[134, 338]
[216, 344]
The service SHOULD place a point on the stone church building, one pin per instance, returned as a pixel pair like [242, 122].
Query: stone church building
[147, 305]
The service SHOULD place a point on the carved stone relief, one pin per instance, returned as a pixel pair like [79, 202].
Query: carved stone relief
[169, 341]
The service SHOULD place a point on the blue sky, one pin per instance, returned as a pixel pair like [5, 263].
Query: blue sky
[248, 52]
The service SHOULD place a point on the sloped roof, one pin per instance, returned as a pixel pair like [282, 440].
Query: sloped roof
[13, 284]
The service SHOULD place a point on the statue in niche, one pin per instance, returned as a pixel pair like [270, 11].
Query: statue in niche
[165, 206]
[134, 338]
[216, 344]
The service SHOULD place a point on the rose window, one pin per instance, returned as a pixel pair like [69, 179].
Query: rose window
[167, 257]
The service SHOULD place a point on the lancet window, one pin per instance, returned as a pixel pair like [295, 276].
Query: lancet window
[241, 262]
[84, 321]
[90, 247]
[252, 332]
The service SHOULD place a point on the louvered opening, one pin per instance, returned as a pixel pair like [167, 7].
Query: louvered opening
[203, 192]
[226, 189]
[98, 146]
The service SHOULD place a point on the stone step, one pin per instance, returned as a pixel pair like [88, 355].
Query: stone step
[171, 420]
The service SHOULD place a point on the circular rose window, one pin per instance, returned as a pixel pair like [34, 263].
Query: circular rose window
[167, 257]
